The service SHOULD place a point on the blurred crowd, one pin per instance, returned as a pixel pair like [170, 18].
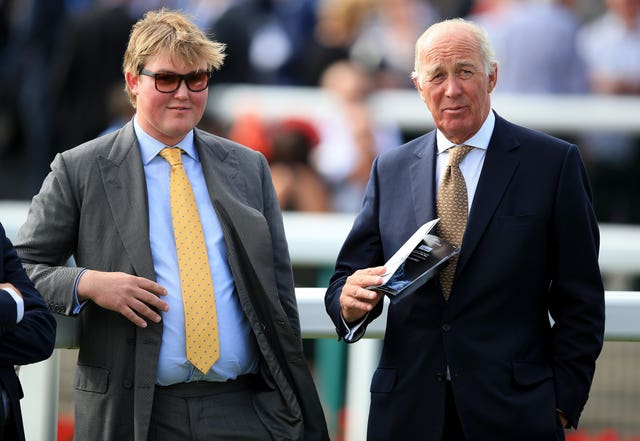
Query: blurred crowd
[60, 70]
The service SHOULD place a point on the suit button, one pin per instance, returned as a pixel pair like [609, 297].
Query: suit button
[127, 384]
[440, 377]
[446, 327]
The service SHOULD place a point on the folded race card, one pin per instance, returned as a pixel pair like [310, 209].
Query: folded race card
[416, 262]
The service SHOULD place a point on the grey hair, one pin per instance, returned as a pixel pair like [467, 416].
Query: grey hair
[489, 59]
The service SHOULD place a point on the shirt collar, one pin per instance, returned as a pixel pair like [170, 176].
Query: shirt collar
[479, 140]
[151, 147]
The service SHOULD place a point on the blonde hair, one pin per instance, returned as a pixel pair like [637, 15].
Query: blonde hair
[487, 54]
[174, 33]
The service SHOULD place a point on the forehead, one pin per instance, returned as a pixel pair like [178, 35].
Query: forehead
[172, 63]
[451, 46]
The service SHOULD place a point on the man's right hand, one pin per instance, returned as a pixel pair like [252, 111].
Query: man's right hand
[355, 299]
[132, 296]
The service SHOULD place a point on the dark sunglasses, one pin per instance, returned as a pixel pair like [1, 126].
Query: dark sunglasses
[168, 82]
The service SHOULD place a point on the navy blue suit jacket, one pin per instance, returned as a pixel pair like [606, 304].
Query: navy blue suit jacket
[29, 341]
[530, 250]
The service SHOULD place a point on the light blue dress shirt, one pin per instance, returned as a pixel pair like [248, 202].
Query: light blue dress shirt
[238, 351]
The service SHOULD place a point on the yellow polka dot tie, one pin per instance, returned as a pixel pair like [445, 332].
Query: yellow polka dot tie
[452, 209]
[201, 323]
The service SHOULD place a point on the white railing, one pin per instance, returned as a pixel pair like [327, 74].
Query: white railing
[552, 113]
[315, 239]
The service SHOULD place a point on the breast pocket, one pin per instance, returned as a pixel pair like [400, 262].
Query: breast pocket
[519, 221]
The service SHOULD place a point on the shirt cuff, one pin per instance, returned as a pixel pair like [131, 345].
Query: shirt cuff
[19, 303]
[77, 306]
[352, 331]
[568, 425]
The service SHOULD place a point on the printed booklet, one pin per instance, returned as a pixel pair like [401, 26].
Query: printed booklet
[416, 262]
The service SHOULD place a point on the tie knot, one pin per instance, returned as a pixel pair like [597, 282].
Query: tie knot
[457, 154]
[173, 155]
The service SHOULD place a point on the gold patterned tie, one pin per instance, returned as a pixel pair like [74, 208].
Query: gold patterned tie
[452, 209]
[201, 323]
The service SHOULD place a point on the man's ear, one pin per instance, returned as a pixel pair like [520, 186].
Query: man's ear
[132, 82]
[493, 78]
[416, 84]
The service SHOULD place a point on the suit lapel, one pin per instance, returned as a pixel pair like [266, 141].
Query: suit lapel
[218, 168]
[125, 189]
[499, 166]
[228, 192]
[221, 172]
[423, 180]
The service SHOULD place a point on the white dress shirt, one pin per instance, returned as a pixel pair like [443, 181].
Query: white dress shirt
[470, 166]
[19, 315]
[19, 303]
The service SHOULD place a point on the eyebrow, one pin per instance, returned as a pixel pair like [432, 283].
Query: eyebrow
[458, 65]
[167, 71]
[465, 64]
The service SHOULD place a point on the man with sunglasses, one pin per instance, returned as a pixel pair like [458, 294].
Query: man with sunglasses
[108, 204]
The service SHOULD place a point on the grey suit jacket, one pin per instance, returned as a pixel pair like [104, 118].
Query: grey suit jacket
[93, 207]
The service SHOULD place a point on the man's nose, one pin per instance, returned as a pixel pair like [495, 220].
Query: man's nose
[452, 86]
[182, 90]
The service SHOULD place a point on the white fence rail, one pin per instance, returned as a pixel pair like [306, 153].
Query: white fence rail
[315, 239]
[552, 113]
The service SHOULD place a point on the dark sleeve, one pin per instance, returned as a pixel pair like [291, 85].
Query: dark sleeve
[576, 294]
[32, 339]
[8, 312]
[361, 249]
